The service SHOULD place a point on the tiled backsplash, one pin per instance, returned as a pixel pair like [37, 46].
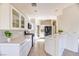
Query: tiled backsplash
[15, 33]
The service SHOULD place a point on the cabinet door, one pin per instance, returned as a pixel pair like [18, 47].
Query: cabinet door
[15, 19]
[22, 22]
[23, 49]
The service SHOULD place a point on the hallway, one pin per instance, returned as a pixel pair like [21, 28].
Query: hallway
[38, 49]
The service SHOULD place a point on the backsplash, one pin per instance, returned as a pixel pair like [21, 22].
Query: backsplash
[15, 33]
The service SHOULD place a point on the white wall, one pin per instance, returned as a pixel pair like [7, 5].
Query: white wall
[4, 13]
[69, 22]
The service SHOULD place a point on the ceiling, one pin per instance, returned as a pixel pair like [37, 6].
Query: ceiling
[42, 10]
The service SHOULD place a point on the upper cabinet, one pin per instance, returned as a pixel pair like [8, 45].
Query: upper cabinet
[15, 19]
[22, 22]
[11, 18]
[18, 19]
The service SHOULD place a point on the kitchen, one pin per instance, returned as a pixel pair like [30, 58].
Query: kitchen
[21, 40]
[18, 29]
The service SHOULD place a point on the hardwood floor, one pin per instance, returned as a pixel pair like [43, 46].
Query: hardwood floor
[38, 49]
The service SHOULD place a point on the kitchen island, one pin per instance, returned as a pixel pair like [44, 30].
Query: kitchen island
[54, 45]
[19, 46]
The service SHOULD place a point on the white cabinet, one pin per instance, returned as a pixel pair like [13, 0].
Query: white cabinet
[60, 45]
[11, 18]
[50, 46]
[25, 47]
[17, 19]
[16, 49]
[9, 49]
[55, 45]
[22, 22]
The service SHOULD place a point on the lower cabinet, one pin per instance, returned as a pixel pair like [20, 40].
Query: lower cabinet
[55, 45]
[16, 49]
[9, 49]
[25, 48]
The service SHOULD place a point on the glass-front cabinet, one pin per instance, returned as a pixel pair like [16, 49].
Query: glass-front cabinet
[22, 22]
[12, 18]
[18, 19]
[15, 21]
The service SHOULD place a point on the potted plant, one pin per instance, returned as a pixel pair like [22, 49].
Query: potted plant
[8, 34]
[60, 31]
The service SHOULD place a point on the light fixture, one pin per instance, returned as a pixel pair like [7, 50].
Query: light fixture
[34, 4]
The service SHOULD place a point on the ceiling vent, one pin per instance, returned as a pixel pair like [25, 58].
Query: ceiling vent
[34, 4]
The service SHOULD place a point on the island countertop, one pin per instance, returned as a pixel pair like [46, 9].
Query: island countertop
[18, 46]
[17, 40]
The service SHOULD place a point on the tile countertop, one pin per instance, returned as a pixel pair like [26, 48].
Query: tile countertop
[17, 40]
